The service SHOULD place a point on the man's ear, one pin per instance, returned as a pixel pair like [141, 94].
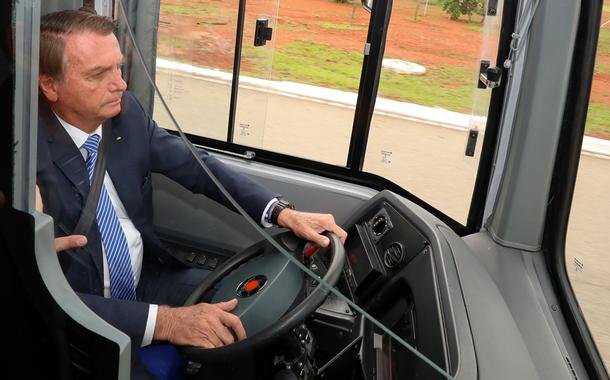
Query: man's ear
[48, 86]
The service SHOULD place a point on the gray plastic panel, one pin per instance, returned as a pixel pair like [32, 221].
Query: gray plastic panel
[523, 282]
[58, 286]
[455, 320]
[49, 6]
[501, 350]
[496, 302]
[520, 210]
[197, 219]
[27, 25]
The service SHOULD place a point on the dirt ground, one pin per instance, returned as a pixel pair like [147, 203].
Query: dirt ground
[428, 37]
[424, 41]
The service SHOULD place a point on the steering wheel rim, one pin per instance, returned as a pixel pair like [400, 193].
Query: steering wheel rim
[289, 320]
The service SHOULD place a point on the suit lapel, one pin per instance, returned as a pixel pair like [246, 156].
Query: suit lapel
[120, 168]
[116, 166]
[69, 160]
[64, 152]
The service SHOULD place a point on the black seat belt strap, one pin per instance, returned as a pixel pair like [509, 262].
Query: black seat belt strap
[87, 216]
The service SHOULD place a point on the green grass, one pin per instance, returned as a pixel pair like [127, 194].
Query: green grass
[321, 65]
[337, 26]
[318, 64]
[181, 44]
[294, 26]
[189, 11]
[603, 45]
[176, 43]
[308, 62]
[211, 24]
[447, 87]
[474, 27]
[602, 68]
[598, 117]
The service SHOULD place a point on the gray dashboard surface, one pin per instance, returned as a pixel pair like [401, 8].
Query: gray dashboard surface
[521, 278]
[494, 335]
[197, 219]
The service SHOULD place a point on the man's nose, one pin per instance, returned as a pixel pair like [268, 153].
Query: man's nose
[118, 84]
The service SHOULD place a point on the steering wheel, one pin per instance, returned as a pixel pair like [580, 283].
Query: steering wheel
[269, 289]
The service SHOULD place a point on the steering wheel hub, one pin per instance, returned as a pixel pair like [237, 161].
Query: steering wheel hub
[271, 290]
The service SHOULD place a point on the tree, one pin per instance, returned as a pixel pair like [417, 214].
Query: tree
[456, 8]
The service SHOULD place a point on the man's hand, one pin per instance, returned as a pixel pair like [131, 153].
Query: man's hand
[65, 242]
[202, 325]
[69, 242]
[309, 226]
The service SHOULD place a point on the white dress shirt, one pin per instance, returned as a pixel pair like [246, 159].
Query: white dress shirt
[134, 239]
[132, 235]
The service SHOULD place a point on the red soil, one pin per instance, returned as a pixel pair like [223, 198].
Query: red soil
[431, 40]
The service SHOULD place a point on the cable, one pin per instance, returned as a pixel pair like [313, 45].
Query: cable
[253, 223]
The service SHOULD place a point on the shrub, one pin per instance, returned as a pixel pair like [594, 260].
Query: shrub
[457, 8]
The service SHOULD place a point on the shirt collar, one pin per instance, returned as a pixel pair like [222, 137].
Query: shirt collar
[78, 136]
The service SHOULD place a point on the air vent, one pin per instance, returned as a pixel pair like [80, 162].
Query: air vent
[393, 255]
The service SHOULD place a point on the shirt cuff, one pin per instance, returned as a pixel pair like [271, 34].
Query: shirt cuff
[266, 213]
[151, 322]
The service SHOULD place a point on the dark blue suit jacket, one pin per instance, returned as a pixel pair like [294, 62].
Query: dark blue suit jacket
[138, 147]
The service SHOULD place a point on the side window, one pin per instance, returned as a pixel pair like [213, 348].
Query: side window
[304, 106]
[296, 94]
[195, 50]
[588, 237]
[428, 102]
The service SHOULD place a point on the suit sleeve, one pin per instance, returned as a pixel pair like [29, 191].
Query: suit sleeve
[128, 316]
[170, 156]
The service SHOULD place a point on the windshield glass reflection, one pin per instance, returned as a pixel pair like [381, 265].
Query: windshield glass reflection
[346, 311]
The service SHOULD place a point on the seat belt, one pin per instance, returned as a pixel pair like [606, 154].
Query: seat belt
[87, 216]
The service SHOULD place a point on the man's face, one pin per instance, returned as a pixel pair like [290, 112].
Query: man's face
[92, 87]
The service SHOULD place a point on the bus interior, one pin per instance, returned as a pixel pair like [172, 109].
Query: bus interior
[426, 286]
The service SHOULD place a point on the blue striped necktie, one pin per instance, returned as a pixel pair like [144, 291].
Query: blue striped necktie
[113, 238]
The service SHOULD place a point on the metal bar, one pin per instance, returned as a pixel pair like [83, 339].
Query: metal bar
[564, 183]
[488, 150]
[104, 7]
[26, 100]
[236, 62]
[248, 154]
[334, 358]
[369, 81]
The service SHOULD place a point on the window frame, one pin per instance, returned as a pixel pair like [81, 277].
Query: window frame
[363, 113]
[564, 182]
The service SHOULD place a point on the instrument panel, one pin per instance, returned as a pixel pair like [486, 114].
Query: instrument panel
[382, 243]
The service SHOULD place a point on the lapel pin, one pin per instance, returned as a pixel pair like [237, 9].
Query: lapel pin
[119, 138]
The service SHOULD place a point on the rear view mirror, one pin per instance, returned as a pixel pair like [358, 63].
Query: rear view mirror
[368, 5]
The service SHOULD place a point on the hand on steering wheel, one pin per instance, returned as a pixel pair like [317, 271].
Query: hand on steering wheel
[268, 286]
[202, 325]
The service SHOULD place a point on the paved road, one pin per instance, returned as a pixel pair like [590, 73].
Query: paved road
[428, 160]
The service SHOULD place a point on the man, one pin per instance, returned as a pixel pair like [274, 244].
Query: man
[121, 269]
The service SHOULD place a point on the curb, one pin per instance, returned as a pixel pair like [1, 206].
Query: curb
[393, 108]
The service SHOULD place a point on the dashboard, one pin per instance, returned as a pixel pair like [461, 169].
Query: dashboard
[400, 269]
[380, 244]
[390, 273]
